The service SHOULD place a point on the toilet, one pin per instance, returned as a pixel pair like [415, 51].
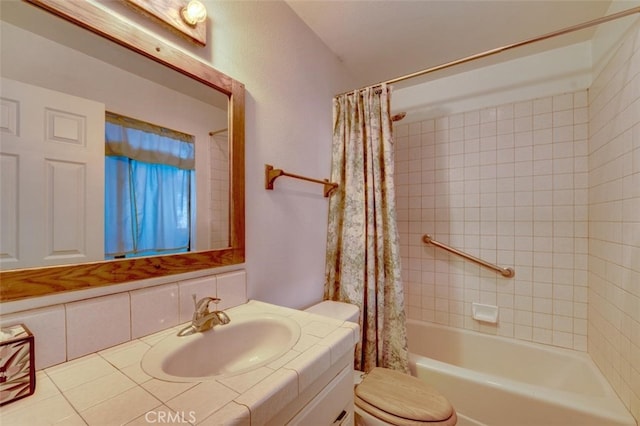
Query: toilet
[388, 397]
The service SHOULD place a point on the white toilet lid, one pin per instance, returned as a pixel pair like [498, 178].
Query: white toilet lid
[403, 396]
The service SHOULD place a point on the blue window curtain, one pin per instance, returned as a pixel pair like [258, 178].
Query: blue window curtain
[148, 179]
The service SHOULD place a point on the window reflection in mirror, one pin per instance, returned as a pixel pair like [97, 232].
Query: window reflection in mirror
[44, 56]
[149, 179]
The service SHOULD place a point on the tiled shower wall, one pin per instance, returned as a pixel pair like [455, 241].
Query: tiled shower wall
[614, 221]
[219, 212]
[508, 184]
[550, 187]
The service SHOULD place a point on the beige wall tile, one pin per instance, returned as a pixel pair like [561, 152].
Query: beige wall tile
[98, 323]
[49, 330]
[153, 309]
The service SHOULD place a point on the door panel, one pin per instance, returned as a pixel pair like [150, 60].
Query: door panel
[53, 186]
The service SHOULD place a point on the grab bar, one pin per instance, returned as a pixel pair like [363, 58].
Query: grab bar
[506, 272]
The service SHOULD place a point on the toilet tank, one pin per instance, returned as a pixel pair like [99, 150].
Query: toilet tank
[338, 310]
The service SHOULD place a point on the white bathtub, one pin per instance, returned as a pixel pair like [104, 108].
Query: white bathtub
[497, 381]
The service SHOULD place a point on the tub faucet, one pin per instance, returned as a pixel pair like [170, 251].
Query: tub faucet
[203, 319]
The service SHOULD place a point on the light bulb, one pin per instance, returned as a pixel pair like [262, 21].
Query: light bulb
[194, 12]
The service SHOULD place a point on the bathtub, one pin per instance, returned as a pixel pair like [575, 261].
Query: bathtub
[497, 381]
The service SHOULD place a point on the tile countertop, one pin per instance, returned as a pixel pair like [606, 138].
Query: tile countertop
[110, 388]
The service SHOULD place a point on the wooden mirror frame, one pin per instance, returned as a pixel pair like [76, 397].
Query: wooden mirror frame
[33, 282]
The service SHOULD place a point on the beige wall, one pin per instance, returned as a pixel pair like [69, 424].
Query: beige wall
[291, 78]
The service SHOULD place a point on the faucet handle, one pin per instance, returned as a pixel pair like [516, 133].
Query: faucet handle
[202, 305]
[223, 318]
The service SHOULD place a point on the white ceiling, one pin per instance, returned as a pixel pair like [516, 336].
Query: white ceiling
[381, 40]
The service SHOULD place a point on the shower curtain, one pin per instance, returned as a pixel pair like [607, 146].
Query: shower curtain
[363, 251]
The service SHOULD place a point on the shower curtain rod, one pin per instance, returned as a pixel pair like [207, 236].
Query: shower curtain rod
[567, 30]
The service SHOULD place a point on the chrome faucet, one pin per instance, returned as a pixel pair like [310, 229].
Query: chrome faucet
[203, 319]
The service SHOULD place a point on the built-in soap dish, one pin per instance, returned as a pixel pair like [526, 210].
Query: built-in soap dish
[484, 313]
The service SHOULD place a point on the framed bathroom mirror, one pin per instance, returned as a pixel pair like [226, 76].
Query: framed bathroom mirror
[207, 104]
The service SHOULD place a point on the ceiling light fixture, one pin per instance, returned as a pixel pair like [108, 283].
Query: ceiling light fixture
[194, 12]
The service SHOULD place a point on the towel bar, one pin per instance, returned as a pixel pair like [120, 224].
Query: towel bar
[271, 174]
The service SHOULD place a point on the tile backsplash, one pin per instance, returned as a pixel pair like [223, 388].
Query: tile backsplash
[71, 330]
[93, 324]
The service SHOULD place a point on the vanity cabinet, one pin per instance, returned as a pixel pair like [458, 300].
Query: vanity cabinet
[332, 406]
[323, 401]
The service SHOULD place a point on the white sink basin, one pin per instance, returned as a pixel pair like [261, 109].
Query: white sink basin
[249, 341]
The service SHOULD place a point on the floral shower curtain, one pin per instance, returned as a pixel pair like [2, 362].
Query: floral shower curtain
[363, 251]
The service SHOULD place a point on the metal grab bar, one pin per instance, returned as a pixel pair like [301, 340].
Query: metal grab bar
[506, 272]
